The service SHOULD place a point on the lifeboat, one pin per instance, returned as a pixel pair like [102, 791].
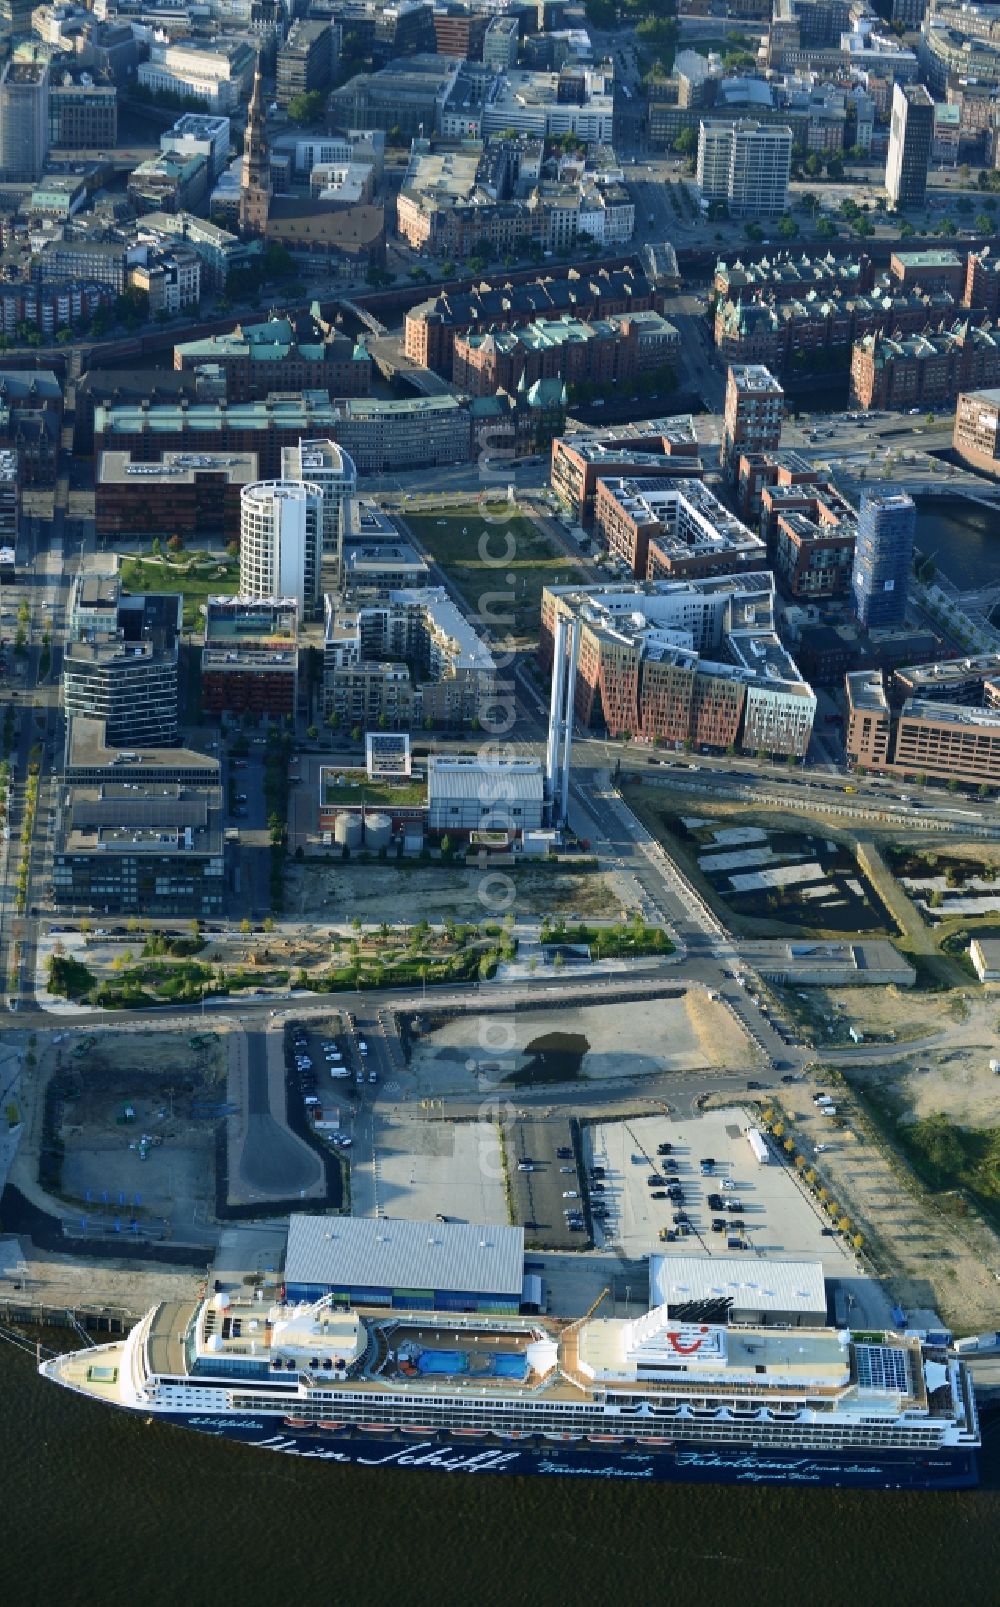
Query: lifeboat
[468, 1433]
[607, 1439]
[556, 1434]
[414, 1428]
[297, 1422]
[374, 1428]
[650, 1439]
[332, 1428]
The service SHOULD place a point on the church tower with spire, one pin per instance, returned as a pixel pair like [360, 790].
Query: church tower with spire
[255, 197]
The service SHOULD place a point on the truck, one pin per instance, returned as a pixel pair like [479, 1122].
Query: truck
[758, 1144]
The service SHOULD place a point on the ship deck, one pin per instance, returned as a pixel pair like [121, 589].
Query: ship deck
[165, 1341]
[92, 1371]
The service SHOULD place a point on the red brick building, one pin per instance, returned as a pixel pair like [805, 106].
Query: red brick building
[668, 449]
[924, 370]
[182, 493]
[431, 327]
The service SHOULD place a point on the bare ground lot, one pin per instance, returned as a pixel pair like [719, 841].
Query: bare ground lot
[931, 1257]
[399, 892]
[590, 1043]
[852, 908]
[172, 1084]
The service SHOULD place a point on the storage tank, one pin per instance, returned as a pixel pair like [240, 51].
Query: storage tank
[378, 832]
[347, 832]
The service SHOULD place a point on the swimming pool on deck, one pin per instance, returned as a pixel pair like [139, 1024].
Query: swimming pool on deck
[455, 1363]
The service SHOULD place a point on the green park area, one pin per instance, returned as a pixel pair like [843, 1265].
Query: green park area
[164, 971]
[480, 556]
[195, 574]
[354, 789]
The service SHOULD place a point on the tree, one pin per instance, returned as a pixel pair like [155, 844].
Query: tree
[306, 108]
[982, 223]
[686, 142]
[787, 227]
[825, 230]
[245, 926]
[176, 543]
[312, 732]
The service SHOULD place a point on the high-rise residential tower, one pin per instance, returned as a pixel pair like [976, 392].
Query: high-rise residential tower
[883, 557]
[911, 134]
[281, 533]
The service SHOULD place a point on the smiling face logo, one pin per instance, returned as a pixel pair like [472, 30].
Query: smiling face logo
[686, 1347]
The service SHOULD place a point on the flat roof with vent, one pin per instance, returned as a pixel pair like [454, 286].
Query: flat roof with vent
[786, 1289]
[381, 1253]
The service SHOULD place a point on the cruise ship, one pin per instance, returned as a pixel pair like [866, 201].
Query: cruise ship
[650, 1397]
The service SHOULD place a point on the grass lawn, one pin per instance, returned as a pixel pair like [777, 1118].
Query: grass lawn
[196, 575]
[453, 540]
[403, 794]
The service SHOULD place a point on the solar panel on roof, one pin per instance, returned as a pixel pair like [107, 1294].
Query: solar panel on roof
[883, 1367]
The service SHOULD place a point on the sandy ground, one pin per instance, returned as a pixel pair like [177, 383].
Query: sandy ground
[399, 892]
[622, 1040]
[153, 1073]
[932, 1260]
[124, 1286]
[908, 1013]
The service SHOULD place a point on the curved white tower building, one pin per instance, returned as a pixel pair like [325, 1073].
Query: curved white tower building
[281, 536]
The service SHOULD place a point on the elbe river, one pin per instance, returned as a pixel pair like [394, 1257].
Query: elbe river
[99, 1508]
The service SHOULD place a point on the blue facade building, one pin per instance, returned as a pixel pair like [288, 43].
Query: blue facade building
[883, 558]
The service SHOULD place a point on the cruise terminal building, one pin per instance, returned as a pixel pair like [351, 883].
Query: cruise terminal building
[412, 1266]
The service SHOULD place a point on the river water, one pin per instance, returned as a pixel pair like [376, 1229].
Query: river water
[100, 1509]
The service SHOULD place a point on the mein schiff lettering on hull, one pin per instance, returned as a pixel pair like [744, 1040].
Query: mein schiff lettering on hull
[651, 1397]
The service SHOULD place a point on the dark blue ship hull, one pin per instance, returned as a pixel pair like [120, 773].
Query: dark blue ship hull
[678, 1463]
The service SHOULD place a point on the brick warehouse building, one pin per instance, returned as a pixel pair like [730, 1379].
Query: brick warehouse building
[430, 327]
[603, 352]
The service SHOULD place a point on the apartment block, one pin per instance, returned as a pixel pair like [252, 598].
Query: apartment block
[659, 448]
[404, 658]
[754, 410]
[672, 529]
[684, 661]
[249, 662]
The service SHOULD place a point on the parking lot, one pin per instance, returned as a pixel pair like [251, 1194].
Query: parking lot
[550, 1219]
[778, 1218]
[418, 1167]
